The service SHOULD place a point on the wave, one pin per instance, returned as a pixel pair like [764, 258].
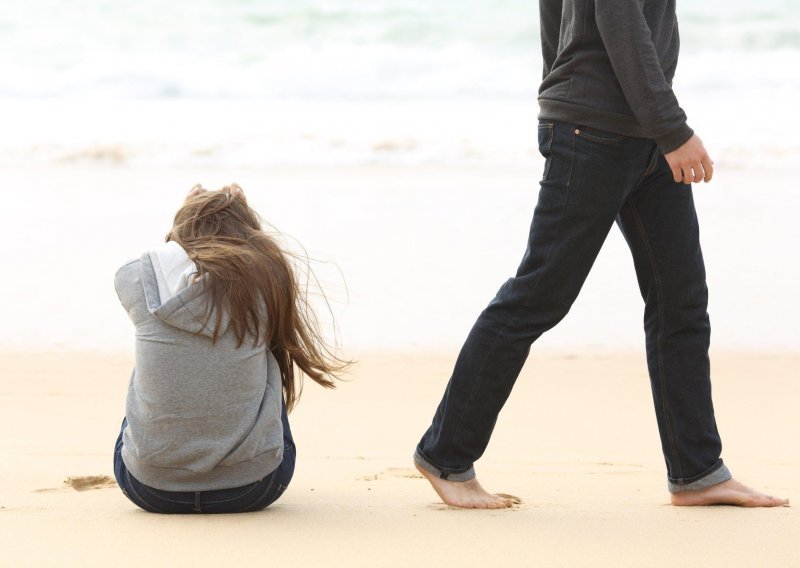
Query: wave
[324, 48]
[230, 134]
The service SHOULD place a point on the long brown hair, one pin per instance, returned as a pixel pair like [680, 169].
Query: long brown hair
[250, 277]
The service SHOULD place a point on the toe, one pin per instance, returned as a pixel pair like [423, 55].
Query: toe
[777, 502]
[764, 500]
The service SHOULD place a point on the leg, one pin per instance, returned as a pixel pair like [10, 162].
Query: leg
[586, 181]
[118, 464]
[660, 225]
[283, 474]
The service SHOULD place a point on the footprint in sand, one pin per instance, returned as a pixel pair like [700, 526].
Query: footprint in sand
[86, 482]
[404, 472]
[83, 483]
[414, 474]
[514, 499]
[393, 472]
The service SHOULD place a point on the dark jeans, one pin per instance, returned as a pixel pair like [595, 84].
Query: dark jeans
[251, 497]
[591, 179]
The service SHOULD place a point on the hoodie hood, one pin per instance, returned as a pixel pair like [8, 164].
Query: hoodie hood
[173, 268]
[174, 293]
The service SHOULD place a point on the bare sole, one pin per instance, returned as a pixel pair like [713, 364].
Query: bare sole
[466, 494]
[729, 492]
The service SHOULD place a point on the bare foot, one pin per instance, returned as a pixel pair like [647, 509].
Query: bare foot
[729, 492]
[465, 494]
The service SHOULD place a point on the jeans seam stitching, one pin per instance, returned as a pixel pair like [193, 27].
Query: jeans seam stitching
[651, 166]
[152, 492]
[611, 141]
[571, 164]
[255, 502]
[659, 338]
[549, 158]
[231, 499]
[653, 163]
[139, 499]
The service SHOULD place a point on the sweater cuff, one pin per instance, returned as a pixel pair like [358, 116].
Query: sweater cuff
[675, 139]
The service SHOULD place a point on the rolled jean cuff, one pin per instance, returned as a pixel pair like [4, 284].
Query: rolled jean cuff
[718, 474]
[448, 475]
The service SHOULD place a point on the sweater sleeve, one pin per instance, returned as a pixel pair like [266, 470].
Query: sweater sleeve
[127, 281]
[550, 29]
[628, 42]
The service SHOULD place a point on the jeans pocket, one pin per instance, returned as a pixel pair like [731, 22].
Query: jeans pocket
[220, 497]
[545, 145]
[598, 136]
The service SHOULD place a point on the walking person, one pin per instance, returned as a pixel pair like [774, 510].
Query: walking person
[617, 148]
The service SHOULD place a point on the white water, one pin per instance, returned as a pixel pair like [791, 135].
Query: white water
[255, 83]
[409, 131]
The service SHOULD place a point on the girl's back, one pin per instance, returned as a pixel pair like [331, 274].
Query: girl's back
[200, 416]
[221, 325]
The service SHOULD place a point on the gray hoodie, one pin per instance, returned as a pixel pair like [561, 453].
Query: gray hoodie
[609, 65]
[200, 416]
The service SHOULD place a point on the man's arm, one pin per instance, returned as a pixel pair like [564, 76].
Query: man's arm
[628, 42]
[627, 39]
[550, 29]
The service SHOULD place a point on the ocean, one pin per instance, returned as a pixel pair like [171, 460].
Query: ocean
[396, 139]
[273, 82]
[336, 49]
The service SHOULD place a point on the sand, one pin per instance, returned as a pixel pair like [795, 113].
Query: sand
[577, 444]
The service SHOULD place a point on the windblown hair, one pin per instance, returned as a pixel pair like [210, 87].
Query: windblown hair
[250, 277]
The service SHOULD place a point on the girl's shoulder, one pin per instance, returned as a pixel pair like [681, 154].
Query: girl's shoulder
[128, 282]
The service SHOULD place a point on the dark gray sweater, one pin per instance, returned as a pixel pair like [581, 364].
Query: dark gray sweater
[609, 64]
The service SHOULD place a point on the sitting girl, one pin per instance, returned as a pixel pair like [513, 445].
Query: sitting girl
[220, 326]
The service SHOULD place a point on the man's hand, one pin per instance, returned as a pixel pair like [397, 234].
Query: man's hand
[691, 163]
